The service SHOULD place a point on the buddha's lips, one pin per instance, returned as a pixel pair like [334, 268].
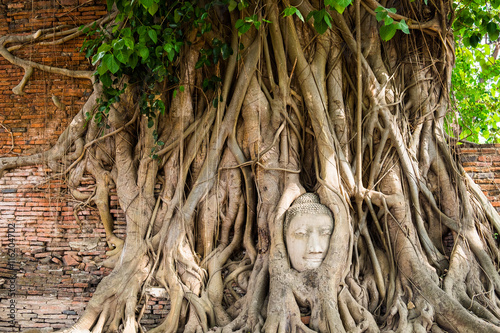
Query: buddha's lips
[313, 258]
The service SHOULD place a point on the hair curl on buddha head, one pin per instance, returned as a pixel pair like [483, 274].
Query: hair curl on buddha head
[307, 203]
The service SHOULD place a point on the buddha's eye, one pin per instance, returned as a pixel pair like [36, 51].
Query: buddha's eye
[326, 232]
[300, 233]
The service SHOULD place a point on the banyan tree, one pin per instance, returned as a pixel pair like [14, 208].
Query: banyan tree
[211, 117]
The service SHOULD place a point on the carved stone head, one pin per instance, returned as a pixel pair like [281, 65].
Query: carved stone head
[307, 230]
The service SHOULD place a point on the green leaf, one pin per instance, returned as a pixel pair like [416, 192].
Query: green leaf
[144, 52]
[167, 47]
[126, 32]
[403, 27]
[320, 23]
[388, 20]
[320, 26]
[293, 10]
[141, 30]
[232, 5]
[493, 31]
[177, 16]
[105, 47]
[474, 39]
[158, 51]
[201, 62]
[152, 35]
[98, 57]
[118, 44]
[177, 46]
[289, 11]
[299, 15]
[387, 31]
[161, 106]
[251, 19]
[171, 55]
[106, 80]
[153, 9]
[242, 26]
[109, 4]
[328, 19]
[102, 68]
[381, 15]
[338, 5]
[147, 3]
[129, 43]
[243, 4]
[239, 23]
[122, 56]
[226, 51]
[111, 63]
[133, 60]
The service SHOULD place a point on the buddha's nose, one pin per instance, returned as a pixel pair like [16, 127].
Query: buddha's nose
[314, 243]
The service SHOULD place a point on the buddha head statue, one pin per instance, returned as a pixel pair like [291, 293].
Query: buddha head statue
[307, 230]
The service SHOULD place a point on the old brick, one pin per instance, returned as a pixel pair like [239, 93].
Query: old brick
[69, 260]
[56, 260]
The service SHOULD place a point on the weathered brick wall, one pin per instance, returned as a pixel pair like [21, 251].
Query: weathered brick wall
[32, 120]
[57, 258]
[482, 163]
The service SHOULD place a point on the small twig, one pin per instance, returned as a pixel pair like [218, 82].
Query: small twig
[11, 137]
[277, 169]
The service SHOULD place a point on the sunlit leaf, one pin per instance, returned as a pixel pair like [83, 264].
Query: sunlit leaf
[153, 9]
[97, 57]
[403, 27]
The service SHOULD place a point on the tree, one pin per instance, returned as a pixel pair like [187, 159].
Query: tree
[212, 117]
[476, 77]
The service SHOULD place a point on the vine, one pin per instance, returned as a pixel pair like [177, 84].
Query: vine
[144, 45]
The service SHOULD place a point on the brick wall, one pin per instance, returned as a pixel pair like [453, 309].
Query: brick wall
[482, 163]
[58, 257]
[32, 120]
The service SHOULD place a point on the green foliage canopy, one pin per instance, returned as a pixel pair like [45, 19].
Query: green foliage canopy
[148, 36]
[476, 78]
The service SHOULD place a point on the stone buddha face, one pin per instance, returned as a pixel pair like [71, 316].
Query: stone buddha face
[308, 227]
